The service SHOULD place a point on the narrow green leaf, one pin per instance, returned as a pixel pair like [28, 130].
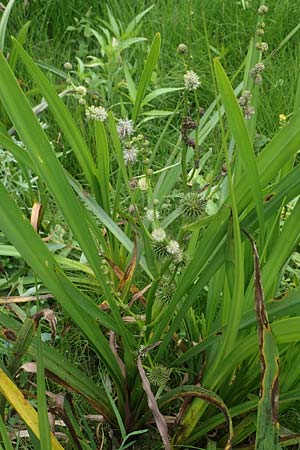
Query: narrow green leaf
[102, 164]
[133, 24]
[5, 437]
[128, 42]
[3, 22]
[44, 426]
[157, 93]
[21, 38]
[21, 345]
[146, 75]
[129, 82]
[21, 155]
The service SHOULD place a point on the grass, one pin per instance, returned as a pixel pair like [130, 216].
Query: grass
[193, 318]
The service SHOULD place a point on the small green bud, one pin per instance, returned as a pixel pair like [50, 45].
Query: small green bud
[149, 172]
[146, 143]
[146, 161]
[155, 202]
[260, 32]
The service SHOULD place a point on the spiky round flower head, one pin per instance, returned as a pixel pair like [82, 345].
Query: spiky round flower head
[130, 155]
[173, 248]
[124, 128]
[166, 290]
[192, 205]
[143, 184]
[132, 209]
[262, 46]
[158, 375]
[260, 32]
[282, 117]
[282, 120]
[248, 112]
[263, 9]
[257, 70]
[152, 215]
[160, 249]
[97, 113]
[81, 90]
[245, 98]
[191, 81]
[260, 67]
[180, 262]
[68, 66]
[159, 235]
[258, 80]
[182, 49]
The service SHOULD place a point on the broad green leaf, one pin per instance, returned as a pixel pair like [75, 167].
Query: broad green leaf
[242, 141]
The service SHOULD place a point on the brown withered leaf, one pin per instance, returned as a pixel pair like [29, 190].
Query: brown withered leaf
[152, 403]
[128, 274]
[35, 215]
[48, 315]
[122, 276]
[20, 299]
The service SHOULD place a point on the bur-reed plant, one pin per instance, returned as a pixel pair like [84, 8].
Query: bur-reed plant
[187, 319]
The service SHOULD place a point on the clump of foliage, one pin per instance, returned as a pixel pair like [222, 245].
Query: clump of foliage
[173, 272]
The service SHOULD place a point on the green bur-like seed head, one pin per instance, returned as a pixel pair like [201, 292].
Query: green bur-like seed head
[192, 205]
[158, 375]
